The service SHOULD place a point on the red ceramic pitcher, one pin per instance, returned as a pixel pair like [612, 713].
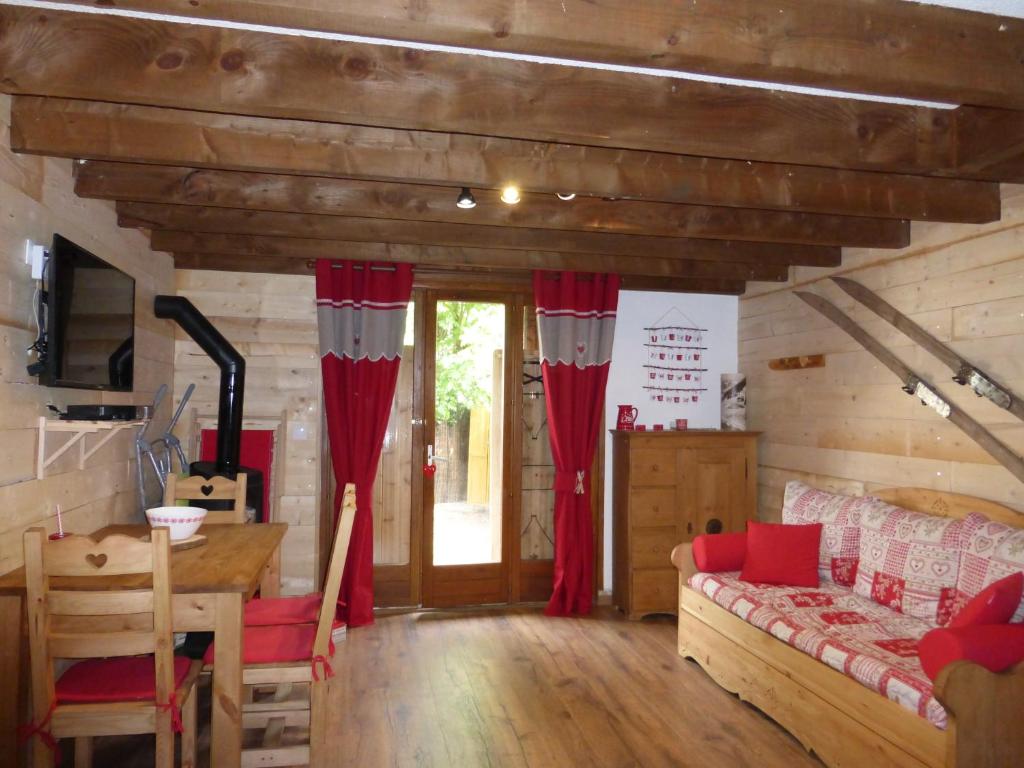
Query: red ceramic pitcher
[627, 417]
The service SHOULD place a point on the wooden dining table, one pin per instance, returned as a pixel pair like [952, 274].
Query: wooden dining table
[209, 585]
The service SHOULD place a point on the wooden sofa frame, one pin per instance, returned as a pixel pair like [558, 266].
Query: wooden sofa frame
[840, 720]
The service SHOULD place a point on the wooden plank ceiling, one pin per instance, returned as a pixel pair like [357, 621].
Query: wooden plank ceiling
[254, 150]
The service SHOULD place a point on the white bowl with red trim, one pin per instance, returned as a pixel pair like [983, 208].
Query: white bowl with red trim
[183, 521]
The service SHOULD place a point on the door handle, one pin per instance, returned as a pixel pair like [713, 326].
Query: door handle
[432, 457]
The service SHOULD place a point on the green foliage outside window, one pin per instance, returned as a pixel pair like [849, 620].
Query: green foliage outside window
[467, 334]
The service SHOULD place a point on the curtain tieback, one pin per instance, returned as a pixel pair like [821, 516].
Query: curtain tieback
[40, 729]
[571, 481]
[328, 671]
[175, 710]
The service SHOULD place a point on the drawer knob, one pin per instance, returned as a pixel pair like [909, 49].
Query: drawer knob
[714, 525]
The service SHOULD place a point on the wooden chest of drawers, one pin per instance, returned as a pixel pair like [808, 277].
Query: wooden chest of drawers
[667, 488]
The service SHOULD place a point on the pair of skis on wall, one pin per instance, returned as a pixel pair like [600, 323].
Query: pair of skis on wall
[964, 372]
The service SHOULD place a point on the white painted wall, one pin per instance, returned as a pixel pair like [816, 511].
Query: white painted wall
[627, 377]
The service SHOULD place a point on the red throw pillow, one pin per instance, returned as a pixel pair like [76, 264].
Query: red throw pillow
[995, 604]
[994, 646]
[714, 553]
[782, 554]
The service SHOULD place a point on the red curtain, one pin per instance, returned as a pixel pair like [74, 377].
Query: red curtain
[361, 309]
[575, 323]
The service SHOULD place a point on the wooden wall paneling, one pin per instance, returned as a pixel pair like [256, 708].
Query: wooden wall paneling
[37, 200]
[918, 56]
[466, 232]
[317, 79]
[130, 134]
[272, 321]
[851, 428]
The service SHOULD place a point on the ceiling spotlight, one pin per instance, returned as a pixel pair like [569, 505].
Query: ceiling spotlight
[466, 199]
[567, 196]
[510, 194]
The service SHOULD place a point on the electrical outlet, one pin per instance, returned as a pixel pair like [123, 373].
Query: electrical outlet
[36, 256]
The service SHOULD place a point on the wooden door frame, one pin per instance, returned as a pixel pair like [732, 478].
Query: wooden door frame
[520, 572]
[512, 440]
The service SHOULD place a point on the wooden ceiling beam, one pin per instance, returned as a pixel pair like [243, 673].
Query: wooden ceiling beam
[375, 230]
[183, 188]
[134, 134]
[991, 142]
[448, 257]
[480, 279]
[878, 46]
[111, 58]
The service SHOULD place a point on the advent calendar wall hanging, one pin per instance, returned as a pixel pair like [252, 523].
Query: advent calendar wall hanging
[676, 354]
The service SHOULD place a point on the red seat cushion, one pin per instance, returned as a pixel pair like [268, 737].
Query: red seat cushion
[272, 644]
[122, 678]
[995, 604]
[994, 646]
[283, 610]
[714, 553]
[782, 554]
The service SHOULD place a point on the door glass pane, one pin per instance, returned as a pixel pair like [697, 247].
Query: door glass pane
[468, 418]
[537, 536]
[392, 500]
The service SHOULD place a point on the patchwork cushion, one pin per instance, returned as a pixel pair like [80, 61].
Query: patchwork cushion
[121, 678]
[840, 519]
[852, 634]
[274, 644]
[991, 551]
[909, 561]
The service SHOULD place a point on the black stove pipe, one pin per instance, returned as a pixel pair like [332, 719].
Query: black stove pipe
[232, 375]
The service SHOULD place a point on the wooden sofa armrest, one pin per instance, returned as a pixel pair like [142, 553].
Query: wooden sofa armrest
[986, 710]
[682, 559]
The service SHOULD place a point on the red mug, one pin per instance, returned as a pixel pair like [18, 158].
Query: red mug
[681, 423]
[627, 417]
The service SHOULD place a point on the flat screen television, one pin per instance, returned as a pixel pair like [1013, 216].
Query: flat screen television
[90, 321]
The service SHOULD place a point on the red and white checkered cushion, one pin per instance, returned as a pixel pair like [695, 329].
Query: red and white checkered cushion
[909, 561]
[991, 551]
[854, 635]
[840, 534]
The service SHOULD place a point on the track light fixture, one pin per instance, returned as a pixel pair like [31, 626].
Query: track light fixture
[510, 194]
[466, 199]
[567, 196]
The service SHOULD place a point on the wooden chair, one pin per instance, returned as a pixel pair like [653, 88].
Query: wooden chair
[216, 488]
[102, 696]
[284, 657]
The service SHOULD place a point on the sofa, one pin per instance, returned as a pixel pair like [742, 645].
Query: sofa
[838, 665]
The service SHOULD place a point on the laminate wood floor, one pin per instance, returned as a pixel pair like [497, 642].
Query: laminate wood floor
[511, 687]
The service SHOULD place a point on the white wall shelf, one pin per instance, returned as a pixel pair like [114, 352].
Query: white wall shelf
[79, 430]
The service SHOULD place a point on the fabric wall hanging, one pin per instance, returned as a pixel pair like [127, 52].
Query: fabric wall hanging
[361, 311]
[576, 324]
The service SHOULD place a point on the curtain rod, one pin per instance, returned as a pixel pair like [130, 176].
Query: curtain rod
[311, 264]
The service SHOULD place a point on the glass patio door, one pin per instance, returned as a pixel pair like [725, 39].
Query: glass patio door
[466, 375]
